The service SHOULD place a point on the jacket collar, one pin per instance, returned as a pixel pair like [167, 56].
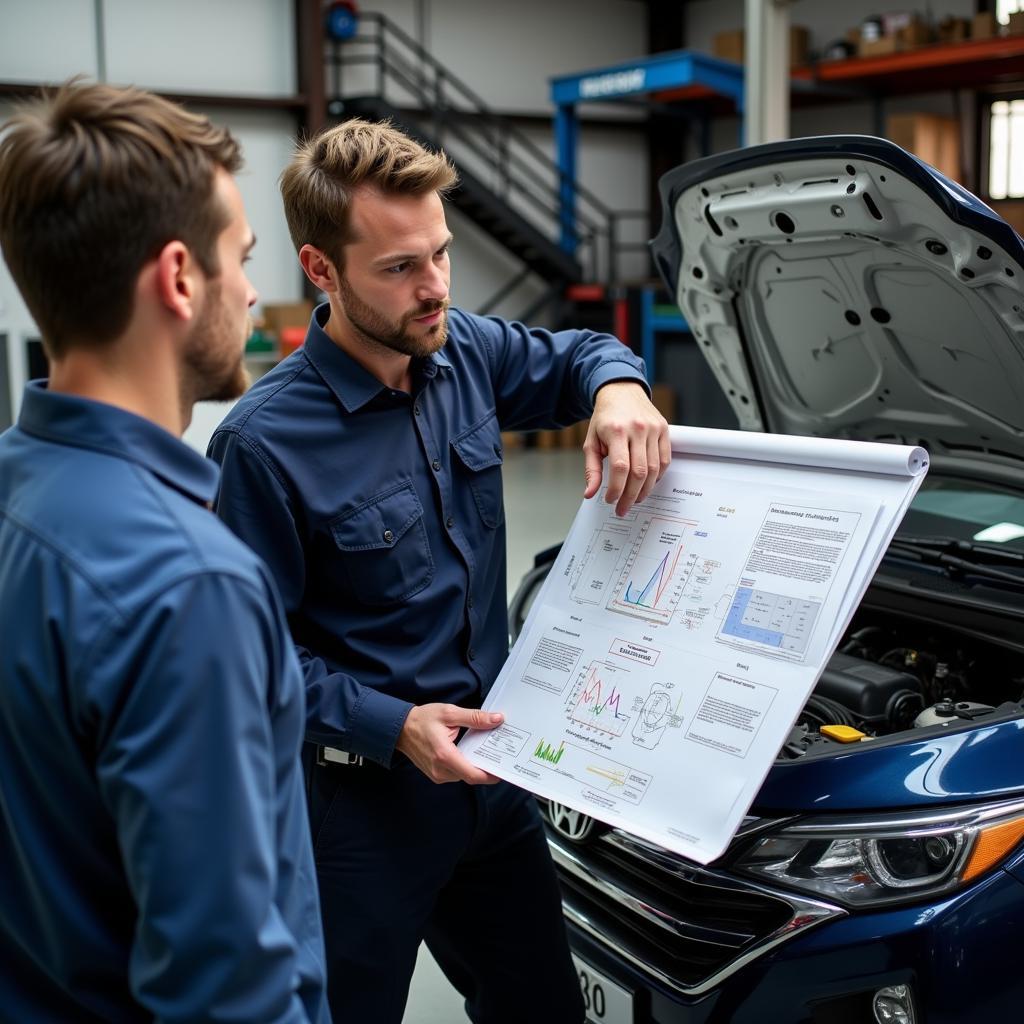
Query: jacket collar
[83, 423]
[353, 385]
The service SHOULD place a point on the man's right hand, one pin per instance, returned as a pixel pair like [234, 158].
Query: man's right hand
[428, 740]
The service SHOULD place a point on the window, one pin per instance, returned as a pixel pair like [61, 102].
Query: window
[1006, 132]
[1006, 150]
[1004, 8]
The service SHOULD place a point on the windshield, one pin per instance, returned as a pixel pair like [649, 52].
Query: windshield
[967, 510]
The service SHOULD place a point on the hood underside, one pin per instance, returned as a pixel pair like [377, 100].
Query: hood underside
[840, 287]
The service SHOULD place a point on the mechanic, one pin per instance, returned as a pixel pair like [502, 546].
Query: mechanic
[366, 469]
[154, 849]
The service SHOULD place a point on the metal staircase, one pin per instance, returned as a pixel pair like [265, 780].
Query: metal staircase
[507, 184]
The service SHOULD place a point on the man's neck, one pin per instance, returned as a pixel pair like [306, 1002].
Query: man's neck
[101, 376]
[392, 369]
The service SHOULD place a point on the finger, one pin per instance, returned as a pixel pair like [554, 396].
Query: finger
[618, 466]
[653, 462]
[470, 719]
[637, 476]
[664, 450]
[592, 472]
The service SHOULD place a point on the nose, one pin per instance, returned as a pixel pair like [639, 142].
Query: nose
[253, 295]
[433, 285]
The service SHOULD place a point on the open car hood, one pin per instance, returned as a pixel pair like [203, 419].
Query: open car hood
[838, 286]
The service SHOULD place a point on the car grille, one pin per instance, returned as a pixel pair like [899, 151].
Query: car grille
[686, 926]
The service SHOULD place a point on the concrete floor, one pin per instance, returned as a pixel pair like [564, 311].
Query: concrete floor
[543, 490]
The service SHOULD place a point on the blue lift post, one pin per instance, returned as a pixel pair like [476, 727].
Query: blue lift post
[676, 69]
[673, 70]
[651, 322]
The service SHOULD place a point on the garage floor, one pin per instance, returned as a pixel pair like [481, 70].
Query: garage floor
[543, 490]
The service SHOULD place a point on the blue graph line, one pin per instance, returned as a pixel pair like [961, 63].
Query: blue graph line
[657, 576]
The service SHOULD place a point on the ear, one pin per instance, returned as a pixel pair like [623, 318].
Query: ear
[319, 268]
[177, 280]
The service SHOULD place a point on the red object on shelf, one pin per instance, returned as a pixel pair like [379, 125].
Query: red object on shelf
[291, 338]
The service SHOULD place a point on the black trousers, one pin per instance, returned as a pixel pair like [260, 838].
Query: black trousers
[466, 869]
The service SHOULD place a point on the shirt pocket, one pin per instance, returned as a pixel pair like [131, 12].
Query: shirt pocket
[384, 547]
[479, 451]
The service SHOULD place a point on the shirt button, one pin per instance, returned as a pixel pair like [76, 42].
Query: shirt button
[471, 654]
[416, 409]
[388, 536]
[436, 466]
[469, 601]
[449, 522]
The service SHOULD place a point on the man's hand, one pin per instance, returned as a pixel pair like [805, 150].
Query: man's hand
[428, 740]
[627, 429]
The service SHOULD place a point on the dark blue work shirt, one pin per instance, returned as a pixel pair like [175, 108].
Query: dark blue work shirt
[155, 860]
[380, 513]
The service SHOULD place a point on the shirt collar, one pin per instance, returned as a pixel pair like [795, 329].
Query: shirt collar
[353, 385]
[83, 423]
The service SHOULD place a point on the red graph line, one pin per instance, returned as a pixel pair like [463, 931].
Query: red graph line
[666, 578]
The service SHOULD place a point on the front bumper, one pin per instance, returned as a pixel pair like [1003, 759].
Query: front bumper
[958, 955]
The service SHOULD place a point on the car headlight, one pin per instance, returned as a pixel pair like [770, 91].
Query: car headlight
[867, 861]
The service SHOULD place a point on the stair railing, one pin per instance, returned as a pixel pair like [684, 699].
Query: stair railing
[385, 61]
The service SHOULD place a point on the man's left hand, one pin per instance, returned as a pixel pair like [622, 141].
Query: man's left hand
[633, 435]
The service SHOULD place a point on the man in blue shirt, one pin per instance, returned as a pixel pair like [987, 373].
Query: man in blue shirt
[366, 470]
[155, 862]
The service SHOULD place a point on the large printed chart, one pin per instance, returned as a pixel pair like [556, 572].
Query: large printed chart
[670, 650]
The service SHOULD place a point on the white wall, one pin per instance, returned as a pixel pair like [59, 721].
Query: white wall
[507, 51]
[245, 47]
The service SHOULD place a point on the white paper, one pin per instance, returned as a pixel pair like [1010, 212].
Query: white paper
[670, 651]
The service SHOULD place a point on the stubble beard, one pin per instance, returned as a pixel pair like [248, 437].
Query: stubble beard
[378, 331]
[214, 369]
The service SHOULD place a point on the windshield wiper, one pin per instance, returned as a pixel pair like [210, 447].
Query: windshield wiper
[961, 557]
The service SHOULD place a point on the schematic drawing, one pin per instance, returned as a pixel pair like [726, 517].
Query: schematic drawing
[655, 716]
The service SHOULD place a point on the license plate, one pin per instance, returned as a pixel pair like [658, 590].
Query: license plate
[606, 1002]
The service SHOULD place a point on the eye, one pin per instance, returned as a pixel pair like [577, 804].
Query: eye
[398, 268]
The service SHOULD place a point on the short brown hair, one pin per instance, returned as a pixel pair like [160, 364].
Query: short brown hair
[317, 185]
[94, 181]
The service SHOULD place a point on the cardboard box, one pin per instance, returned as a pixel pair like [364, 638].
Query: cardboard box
[878, 47]
[914, 34]
[954, 30]
[1016, 24]
[729, 46]
[933, 138]
[984, 26]
[732, 46]
[286, 314]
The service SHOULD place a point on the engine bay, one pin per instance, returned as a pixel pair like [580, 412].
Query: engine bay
[890, 676]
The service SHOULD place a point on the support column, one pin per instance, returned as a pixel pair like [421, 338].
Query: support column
[566, 140]
[766, 89]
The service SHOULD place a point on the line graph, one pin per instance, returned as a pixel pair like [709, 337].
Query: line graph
[593, 771]
[653, 577]
[596, 700]
[546, 752]
[651, 594]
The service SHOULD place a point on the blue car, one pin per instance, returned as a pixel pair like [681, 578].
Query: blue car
[839, 287]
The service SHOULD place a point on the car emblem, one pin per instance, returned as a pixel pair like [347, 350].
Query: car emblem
[572, 824]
